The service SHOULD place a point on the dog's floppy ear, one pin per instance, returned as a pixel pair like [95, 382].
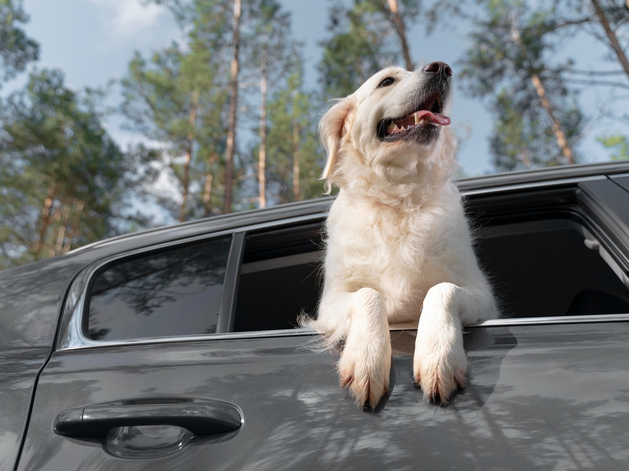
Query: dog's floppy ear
[333, 126]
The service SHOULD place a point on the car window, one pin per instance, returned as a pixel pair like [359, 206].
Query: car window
[549, 268]
[538, 268]
[166, 293]
[280, 277]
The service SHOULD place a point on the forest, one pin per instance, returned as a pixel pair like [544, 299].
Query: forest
[227, 118]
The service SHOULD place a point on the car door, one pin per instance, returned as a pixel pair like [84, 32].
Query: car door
[31, 297]
[225, 390]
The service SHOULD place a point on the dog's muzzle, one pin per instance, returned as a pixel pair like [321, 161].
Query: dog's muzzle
[422, 122]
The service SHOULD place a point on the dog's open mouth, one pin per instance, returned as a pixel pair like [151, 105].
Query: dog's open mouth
[421, 123]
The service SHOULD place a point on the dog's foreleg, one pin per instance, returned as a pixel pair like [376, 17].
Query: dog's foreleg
[365, 361]
[440, 364]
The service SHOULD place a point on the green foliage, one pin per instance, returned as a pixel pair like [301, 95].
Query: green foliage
[618, 144]
[510, 46]
[16, 48]
[293, 133]
[362, 41]
[178, 98]
[62, 178]
[522, 137]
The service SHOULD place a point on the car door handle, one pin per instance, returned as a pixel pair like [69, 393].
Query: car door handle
[200, 416]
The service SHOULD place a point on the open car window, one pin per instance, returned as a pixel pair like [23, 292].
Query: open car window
[546, 267]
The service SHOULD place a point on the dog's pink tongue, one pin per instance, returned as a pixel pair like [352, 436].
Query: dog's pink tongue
[426, 116]
[433, 117]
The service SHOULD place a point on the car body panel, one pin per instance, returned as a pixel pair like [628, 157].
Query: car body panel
[539, 397]
[31, 298]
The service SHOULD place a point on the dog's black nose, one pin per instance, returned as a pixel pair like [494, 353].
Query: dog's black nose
[440, 68]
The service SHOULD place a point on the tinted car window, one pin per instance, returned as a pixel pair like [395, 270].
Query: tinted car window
[171, 292]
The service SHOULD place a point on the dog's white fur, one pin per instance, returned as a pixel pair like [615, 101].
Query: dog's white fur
[398, 245]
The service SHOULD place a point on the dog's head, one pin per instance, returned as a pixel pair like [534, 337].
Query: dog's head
[393, 125]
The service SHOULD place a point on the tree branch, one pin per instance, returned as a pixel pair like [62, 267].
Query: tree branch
[611, 35]
[594, 72]
[603, 83]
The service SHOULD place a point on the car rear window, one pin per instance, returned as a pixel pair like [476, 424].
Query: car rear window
[165, 293]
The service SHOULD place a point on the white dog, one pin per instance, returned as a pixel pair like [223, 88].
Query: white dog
[398, 243]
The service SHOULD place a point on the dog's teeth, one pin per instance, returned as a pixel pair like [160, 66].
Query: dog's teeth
[423, 121]
[392, 128]
[416, 118]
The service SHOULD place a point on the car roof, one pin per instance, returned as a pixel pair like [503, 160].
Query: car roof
[321, 205]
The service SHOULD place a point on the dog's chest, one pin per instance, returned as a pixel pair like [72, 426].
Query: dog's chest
[392, 245]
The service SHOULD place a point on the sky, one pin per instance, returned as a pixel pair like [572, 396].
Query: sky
[92, 41]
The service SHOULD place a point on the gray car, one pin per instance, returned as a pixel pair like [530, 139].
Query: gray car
[177, 348]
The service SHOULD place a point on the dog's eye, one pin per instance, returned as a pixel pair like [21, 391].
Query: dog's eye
[386, 82]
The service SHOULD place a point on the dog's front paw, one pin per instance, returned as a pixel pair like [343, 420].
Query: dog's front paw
[364, 368]
[440, 364]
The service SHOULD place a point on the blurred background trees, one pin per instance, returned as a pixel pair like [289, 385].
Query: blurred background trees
[63, 180]
[16, 48]
[228, 123]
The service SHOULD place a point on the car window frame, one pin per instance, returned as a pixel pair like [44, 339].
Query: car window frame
[72, 337]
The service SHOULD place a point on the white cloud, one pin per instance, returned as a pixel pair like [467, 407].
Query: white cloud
[131, 17]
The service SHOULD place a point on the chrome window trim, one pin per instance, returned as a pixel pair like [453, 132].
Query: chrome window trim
[523, 321]
[301, 332]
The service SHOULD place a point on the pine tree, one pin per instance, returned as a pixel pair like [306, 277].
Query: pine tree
[232, 125]
[63, 180]
[606, 22]
[293, 146]
[363, 39]
[268, 57]
[16, 48]
[537, 115]
[618, 144]
[177, 99]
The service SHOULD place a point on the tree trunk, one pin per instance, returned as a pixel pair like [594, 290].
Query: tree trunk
[560, 136]
[74, 227]
[611, 35]
[185, 182]
[296, 157]
[207, 189]
[233, 103]
[61, 232]
[262, 151]
[400, 29]
[44, 222]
